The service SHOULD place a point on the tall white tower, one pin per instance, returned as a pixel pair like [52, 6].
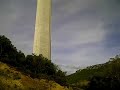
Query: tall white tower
[42, 37]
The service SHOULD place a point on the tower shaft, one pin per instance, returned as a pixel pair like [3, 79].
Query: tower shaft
[42, 37]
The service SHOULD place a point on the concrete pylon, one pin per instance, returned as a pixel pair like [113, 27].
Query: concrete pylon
[42, 37]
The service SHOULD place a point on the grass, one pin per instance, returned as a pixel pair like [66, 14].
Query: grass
[11, 79]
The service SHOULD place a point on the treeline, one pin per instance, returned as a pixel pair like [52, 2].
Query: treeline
[32, 65]
[98, 77]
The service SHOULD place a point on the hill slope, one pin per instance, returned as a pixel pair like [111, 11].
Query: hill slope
[104, 76]
[23, 68]
[11, 79]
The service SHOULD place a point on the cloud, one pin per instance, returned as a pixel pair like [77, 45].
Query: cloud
[77, 33]
[17, 20]
[85, 32]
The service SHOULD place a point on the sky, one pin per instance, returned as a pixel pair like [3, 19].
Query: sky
[83, 32]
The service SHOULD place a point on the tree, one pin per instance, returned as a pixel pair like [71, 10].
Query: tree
[7, 51]
[35, 66]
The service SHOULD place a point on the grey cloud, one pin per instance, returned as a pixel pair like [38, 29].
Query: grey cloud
[17, 22]
[80, 22]
[82, 30]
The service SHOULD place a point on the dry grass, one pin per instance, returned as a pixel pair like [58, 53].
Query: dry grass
[11, 79]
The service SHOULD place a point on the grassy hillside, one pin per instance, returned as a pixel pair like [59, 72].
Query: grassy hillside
[33, 72]
[11, 79]
[85, 74]
[107, 75]
[35, 66]
[28, 72]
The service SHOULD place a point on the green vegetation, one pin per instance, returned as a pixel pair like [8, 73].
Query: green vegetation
[12, 79]
[32, 65]
[97, 77]
[32, 72]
